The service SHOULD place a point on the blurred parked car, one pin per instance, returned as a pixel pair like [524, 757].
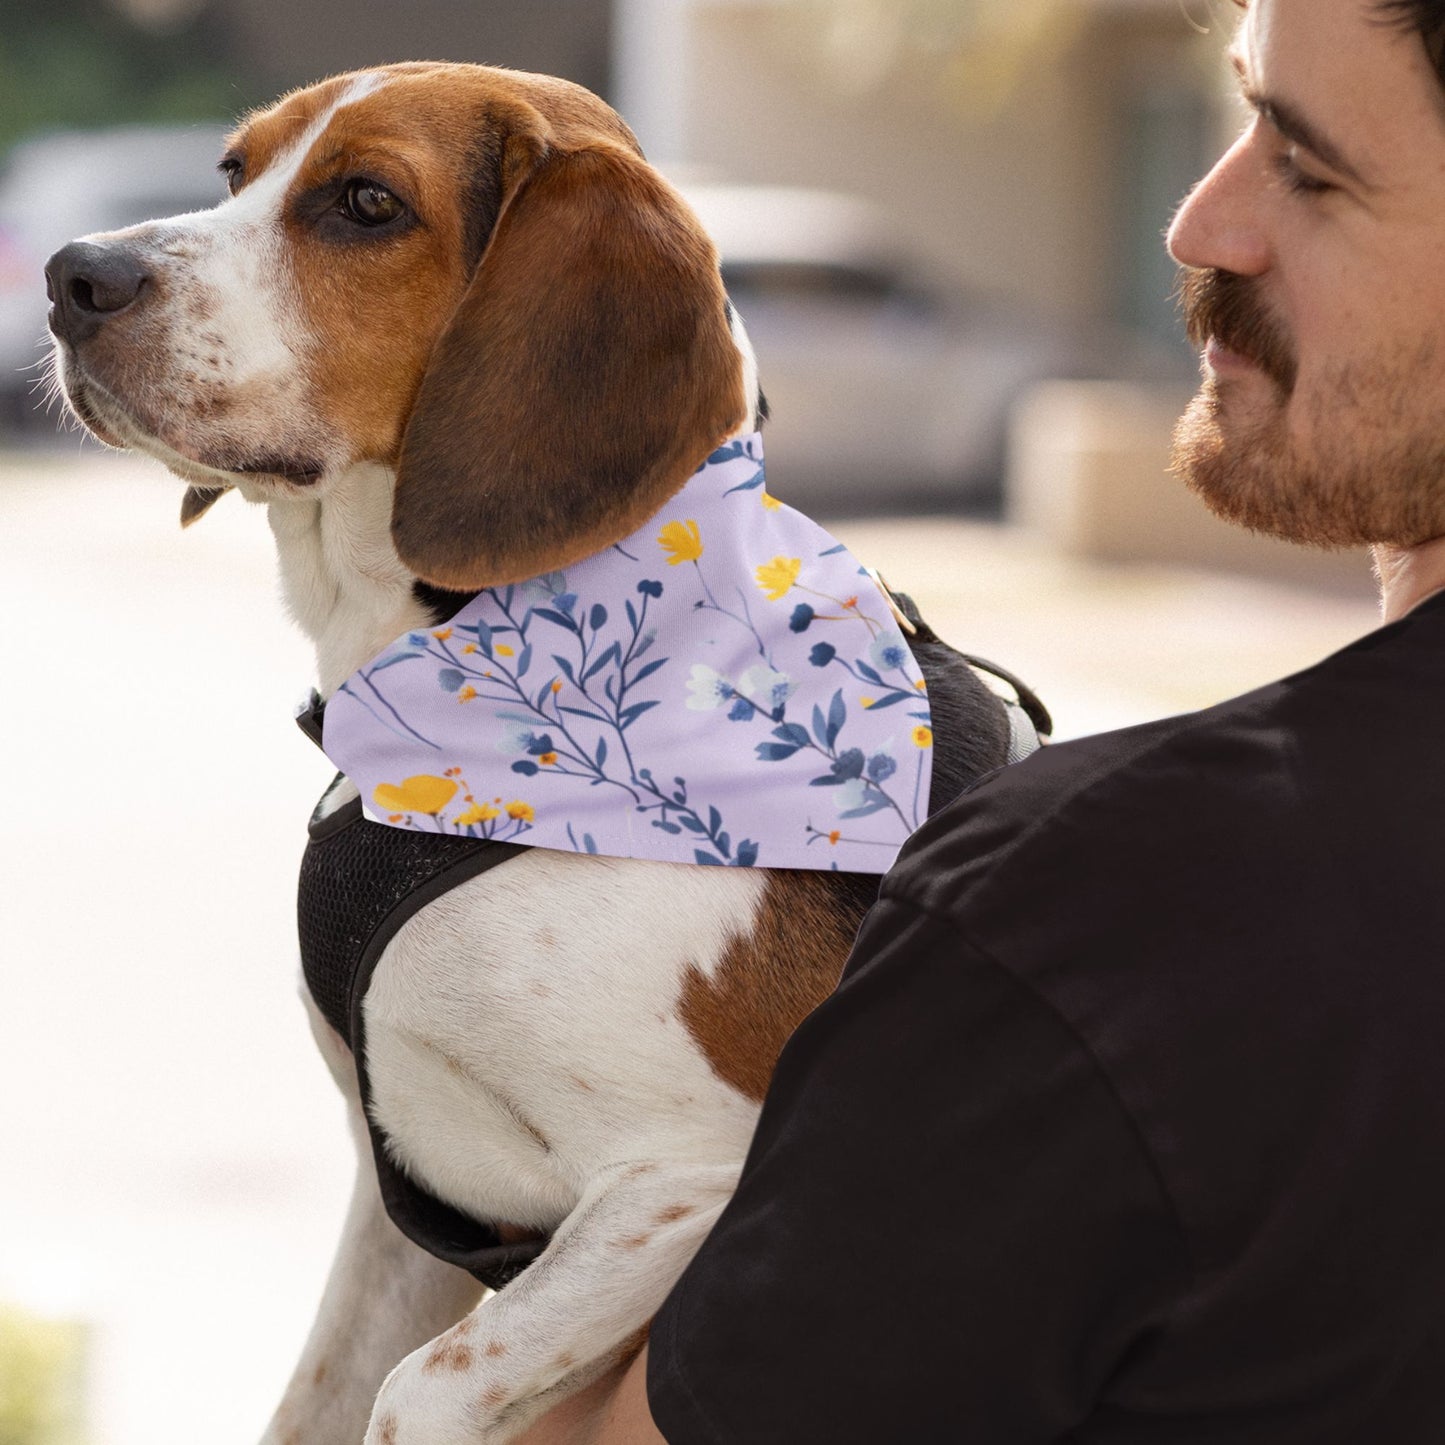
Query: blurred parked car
[889, 388]
[60, 186]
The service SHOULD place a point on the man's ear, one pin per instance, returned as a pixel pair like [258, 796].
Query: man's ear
[587, 373]
[198, 501]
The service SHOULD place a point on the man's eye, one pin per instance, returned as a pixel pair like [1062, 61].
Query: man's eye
[369, 204]
[1296, 180]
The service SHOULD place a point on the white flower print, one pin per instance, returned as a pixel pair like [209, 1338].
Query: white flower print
[707, 689]
[766, 687]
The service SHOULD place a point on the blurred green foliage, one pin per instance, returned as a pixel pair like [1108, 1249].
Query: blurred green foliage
[41, 1379]
[82, 63]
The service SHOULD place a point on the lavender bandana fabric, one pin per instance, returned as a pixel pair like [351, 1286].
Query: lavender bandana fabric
[726, 686]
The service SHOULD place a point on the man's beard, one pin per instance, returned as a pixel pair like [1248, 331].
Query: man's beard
[1382, 479]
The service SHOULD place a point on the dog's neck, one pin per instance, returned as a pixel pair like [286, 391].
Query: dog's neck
[340, 576]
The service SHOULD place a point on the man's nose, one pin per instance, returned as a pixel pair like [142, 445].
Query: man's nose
[1219, 225]
[88, 282]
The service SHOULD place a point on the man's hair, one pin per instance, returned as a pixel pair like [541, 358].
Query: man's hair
[1426, 18]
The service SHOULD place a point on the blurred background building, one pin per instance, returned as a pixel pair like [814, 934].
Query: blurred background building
[942, 221]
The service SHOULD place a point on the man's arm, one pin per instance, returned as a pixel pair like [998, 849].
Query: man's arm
[946, 1216]
[611, 1411]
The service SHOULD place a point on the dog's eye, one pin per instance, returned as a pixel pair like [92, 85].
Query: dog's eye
[234, 172]
[370, 204]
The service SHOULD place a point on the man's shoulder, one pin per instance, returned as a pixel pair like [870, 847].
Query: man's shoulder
[1228, 790]
[1076, 806]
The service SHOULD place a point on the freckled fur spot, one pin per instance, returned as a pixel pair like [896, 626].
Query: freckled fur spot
[565, 1361]
[493, 1396]
[674, 1212]
[495, 1349]
[582, 1084]
[449, 1354]
[637, 1241]
[387, 1431]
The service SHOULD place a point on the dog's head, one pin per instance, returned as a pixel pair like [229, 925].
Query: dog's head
[467, 274]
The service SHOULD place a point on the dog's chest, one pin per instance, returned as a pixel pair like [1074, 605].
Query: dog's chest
[523, 1032]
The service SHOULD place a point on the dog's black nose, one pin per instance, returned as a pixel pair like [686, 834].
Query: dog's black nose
[87, 284]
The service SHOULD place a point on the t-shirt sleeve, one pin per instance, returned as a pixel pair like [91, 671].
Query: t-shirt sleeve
[946, 1228]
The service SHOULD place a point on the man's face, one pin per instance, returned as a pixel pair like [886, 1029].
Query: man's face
[1319, 293]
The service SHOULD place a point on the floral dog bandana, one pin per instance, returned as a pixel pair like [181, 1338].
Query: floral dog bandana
[726, 686]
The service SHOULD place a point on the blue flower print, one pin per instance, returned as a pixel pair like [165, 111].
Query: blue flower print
[888, 651]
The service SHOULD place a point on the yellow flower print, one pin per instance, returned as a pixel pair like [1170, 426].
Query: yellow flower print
[770, 502]
[867, 701]
[521, 811]
[556, 684]
[421, 794]
[470, 647]
[682, 540]
[777, 576]
[477, 813]
[547, 759]
[467, 693]
[922, 737]
[504, 651]
[921, 685]
[442, 636]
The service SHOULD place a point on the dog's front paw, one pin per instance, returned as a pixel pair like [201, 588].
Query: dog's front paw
[450, 1392]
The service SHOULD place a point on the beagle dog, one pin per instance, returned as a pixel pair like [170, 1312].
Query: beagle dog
[434, 290]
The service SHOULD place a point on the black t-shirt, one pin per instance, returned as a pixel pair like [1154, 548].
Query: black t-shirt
[1127, 1121]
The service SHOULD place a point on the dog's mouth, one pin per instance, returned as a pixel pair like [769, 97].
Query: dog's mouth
[118, 426]
[298, 471]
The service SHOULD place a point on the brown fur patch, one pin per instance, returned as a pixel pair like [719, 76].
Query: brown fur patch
[386, 1431]
[493, 1396]
[771, 979]
[496, 1349]
[636, 1241]
[673, 1213]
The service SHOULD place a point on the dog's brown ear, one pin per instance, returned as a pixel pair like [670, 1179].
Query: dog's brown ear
[198, 501]
[587, 373]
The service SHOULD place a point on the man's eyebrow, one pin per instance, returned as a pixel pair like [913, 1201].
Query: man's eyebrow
[1293, 126]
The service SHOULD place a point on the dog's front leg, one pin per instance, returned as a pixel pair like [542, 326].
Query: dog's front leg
[384, 1297]
[582, 1306]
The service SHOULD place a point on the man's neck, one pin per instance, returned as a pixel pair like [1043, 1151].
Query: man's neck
[1408, 575]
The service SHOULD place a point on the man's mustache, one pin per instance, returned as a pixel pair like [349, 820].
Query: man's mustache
[1227, 308]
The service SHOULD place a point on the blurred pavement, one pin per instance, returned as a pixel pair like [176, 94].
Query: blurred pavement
[175, 1162]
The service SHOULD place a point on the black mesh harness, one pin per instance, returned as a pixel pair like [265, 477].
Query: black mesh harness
[360, 882]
